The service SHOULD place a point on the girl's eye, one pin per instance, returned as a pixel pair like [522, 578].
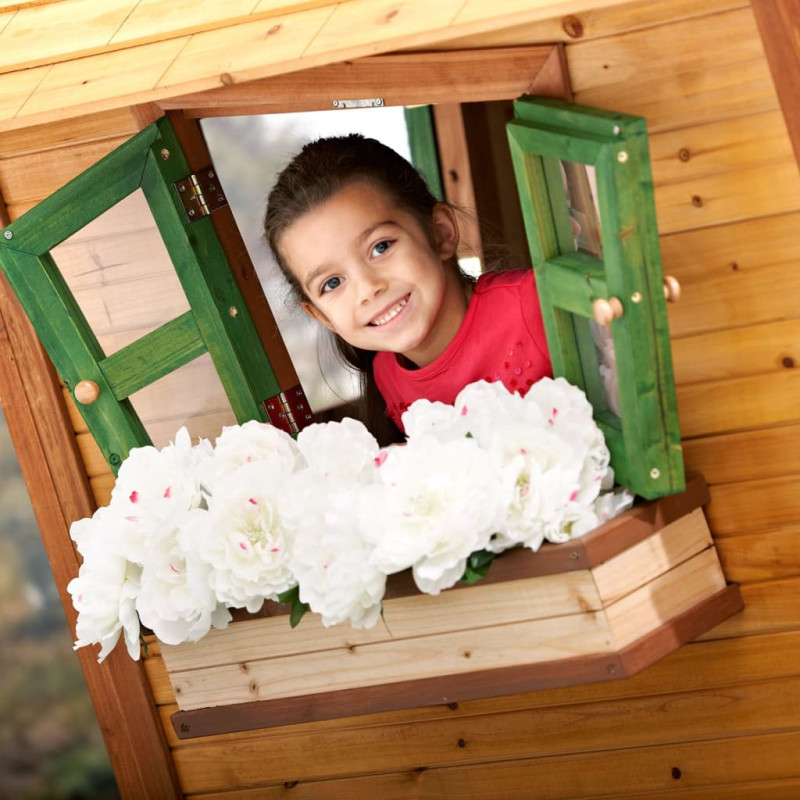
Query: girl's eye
[381, 247]
[330, 285]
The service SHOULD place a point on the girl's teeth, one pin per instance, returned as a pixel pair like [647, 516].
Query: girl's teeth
[390, 315]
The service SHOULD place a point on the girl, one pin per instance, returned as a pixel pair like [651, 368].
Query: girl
[371, 254]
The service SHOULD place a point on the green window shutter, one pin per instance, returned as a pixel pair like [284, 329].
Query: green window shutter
[422, 143]
[218, 321]
[586, 191]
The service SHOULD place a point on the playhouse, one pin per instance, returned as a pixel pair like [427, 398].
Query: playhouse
[666, 661]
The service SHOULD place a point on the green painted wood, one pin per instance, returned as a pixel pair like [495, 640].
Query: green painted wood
[83, 199]
[218, 322]
[210, 287]
[155, 355]
[644, 439]
[422, 142]
[74, 350]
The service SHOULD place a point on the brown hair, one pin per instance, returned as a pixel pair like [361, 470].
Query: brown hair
[320, 170]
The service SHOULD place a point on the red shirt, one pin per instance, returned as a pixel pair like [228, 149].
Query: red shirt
[501, 338]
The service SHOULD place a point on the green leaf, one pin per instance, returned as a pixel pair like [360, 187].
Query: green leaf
[290, 595]
[478, 565]
[298, 612]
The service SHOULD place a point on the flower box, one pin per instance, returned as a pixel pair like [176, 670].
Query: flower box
[600, 607]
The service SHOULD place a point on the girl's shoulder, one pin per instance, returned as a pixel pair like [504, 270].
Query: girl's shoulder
[503, 279]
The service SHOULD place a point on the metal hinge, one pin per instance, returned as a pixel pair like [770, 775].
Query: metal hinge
[200, 194]
[289, 410]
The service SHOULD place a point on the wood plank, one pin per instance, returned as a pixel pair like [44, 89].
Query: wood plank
[375, 665]
[738, 352]
[766, 504]
[398, 79]
[640, 55]
[357, 788]
[687, 154]
[635, 722]
[88, 128]
[777, 22]
[660, 600]
[134, 75]
[457, 174]
[728, 405]
[152, 20]
[744, 297]
[596, 23]
[93, 83]
[435, 690]
[17, 87]
[51, 467]
[769, 606]
[729, 196]
[35, 176]
[679, 98]
[707, 665]
[708, 765]
[749, 558]
[655, 555]
[747, 455]
[28, 39]
[405, 618]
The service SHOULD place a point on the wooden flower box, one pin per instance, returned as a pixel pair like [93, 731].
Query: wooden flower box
[601, 607]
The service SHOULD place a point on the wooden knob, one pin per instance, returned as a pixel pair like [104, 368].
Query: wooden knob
[606, 310]
[672, 289]
[86, 392]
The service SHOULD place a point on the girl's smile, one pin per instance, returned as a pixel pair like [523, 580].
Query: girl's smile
[372, 275]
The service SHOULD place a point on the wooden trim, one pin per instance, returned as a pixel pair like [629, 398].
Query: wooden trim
[398, 79]
[470, 686]
[590, 550]
[196, 152]
[46, 447]
[779, 25]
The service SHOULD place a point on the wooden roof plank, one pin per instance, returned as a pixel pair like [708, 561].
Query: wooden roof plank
[81, 25]
[239, 53]
[112, 79]
[16, 88]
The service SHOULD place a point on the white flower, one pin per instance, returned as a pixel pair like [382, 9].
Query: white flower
[104, 592]
[344, 449]
[437, 504]
[331, 558]
[243, 537]
[152, 484]
[176, 600]
[251, 443]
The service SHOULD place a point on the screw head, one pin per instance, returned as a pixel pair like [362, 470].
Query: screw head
[378, 101]
[636, 297]
[335, 104]
[655, 473]
[114, 459]
[233, 311]
[8, 235]
[622, 156]
[617, 130]
[165, 154]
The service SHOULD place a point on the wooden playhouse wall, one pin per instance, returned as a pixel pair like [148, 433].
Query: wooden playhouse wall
[720, 717]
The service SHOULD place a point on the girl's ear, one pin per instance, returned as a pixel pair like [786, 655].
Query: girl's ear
[445, 231]
[315, 313]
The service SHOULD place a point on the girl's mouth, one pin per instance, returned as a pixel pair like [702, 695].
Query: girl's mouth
[389, 315]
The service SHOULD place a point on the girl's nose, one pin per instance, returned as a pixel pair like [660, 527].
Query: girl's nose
[371, 284]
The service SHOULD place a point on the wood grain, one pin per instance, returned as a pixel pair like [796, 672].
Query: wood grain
[737, 352]
[48, 457]
[778, 25]
[751, 709]
[765, 504]
[700, 665]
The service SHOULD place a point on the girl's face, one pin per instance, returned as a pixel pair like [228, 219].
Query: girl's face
[372, 276]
